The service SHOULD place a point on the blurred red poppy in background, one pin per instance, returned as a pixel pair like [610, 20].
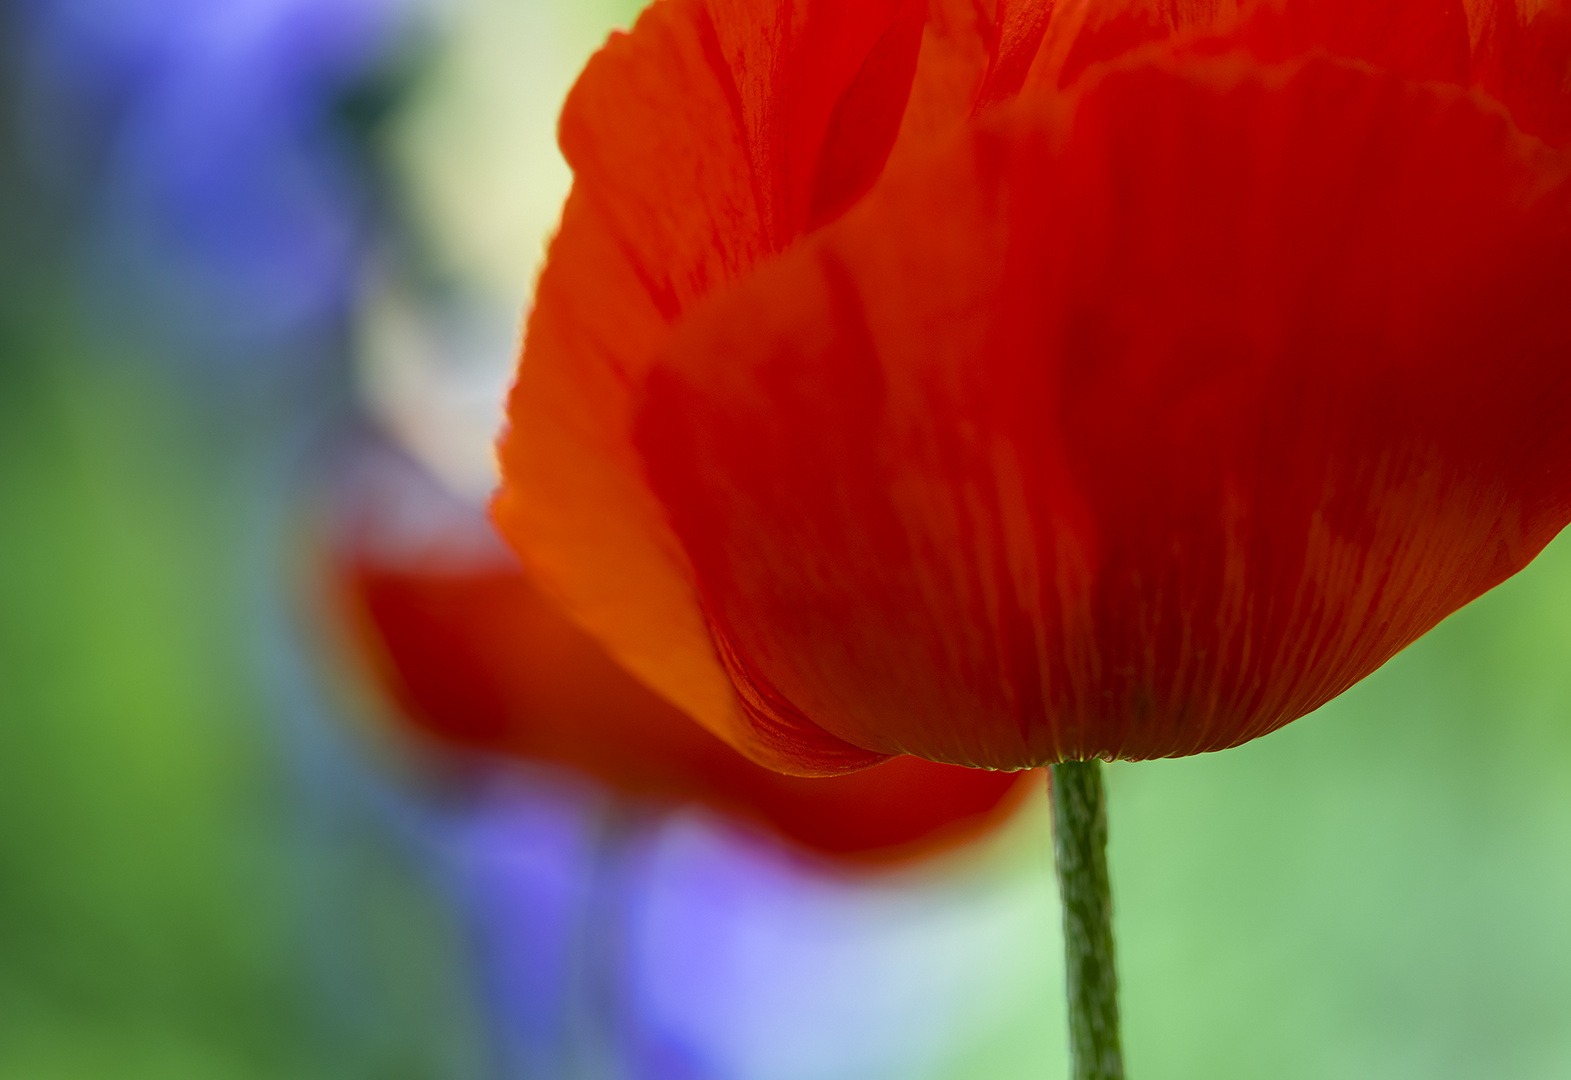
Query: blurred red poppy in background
[1173, 368]
[476, 659]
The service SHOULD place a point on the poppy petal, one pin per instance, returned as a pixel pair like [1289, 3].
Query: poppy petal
[1132, 434]
[704, 140]
[473, 658]
[975, 53]
[1523, 57]
[1083, 33]
[1418, 39]
[699, 142]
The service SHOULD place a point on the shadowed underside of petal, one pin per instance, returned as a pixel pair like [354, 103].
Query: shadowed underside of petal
[1136, 435]
[703, 141]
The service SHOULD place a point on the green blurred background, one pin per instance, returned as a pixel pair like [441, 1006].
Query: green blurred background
[1382, 889]
[173, 904]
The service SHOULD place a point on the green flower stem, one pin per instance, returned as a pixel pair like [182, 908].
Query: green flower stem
[1080, 847]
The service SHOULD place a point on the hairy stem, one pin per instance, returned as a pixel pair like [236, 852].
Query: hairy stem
[1080, 849]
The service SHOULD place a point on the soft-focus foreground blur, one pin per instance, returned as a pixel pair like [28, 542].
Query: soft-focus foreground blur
[247, 246]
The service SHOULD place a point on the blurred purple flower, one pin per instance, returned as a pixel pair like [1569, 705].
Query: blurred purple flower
[674, 946]
[220, 200]
[523, 859]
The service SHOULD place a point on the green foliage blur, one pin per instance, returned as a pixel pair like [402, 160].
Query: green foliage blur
[1381, 889]
[166, 911]
[172, 905]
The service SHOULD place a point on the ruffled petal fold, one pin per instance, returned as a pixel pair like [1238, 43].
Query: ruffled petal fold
[707, 139]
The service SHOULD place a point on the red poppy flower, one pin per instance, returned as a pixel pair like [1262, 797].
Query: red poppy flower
[474, 658]
[1171, 369]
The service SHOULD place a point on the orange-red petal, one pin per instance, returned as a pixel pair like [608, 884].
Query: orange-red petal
[475, 658]
[1135, 433]
[1418, 39]
[975, 53]
[706, 139]
[1519, 51]
[1523, 57]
